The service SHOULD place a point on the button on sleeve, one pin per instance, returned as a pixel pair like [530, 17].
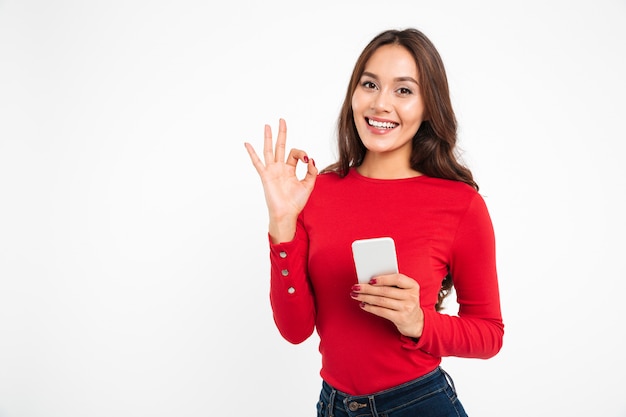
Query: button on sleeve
[291, 295]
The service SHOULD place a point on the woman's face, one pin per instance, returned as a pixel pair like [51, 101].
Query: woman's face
[387, 104]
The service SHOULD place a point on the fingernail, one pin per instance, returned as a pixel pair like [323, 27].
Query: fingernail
[373, 281]
[354, 294]
[362, 304]
[306, 159]
[313, 160]
[356, 287]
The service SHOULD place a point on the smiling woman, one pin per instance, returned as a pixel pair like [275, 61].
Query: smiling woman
[397, 176]
[388, 109]
[134, 267]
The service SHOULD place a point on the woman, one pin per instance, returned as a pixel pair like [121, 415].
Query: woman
[397, 175]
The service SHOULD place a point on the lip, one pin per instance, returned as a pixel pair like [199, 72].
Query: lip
[380, 130]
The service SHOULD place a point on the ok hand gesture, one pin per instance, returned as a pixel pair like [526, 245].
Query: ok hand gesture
[285, 194]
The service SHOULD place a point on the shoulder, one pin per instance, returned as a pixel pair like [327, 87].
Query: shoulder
[451, 189]
[328, 180]
[328, 177]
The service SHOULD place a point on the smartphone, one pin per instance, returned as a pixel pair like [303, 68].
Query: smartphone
[375, 256]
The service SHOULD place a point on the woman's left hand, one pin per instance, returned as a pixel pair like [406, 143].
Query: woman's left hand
[394, 297]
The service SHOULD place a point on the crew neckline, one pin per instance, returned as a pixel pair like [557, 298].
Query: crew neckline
[356, 174]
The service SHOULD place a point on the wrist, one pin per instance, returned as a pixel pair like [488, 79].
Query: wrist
[282, 230]
[415, 331]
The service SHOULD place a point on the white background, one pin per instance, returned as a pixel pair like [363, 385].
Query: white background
[133, 255]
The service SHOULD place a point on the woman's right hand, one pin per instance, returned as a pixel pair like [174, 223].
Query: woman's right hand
[285, 194]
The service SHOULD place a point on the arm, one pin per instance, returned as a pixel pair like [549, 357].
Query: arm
[291, 296]
[478, 330]
[286, 196]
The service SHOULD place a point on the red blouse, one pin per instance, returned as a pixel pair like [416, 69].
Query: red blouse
[439, 226]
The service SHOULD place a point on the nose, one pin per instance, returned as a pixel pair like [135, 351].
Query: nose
[381, 102]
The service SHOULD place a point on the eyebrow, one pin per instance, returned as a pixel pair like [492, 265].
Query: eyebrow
[411, 79]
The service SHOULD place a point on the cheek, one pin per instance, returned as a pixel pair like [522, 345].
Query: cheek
[414, 112]
[355, 108]
[357, 103]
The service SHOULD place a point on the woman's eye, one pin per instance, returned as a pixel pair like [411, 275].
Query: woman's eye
[404, 91]
[368, 84]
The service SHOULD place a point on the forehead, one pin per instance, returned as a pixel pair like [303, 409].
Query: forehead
[392, 60]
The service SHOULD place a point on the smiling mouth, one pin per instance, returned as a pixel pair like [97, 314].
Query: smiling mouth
[381, 125]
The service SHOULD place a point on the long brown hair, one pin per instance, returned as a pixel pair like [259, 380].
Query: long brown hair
[433, 152]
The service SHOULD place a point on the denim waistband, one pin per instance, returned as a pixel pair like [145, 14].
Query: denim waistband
[381, 402]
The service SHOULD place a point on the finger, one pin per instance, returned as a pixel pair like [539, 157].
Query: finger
[379, 311]
[256, 161]
[268, 149]
[394, 280]
[311, 174]
[388, 303]
[374, 294]
[296, 155]
[391, 298]
[281, 141]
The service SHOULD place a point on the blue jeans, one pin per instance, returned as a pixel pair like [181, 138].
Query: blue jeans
[432, 395]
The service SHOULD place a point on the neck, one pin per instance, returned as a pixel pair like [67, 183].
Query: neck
[384, 167]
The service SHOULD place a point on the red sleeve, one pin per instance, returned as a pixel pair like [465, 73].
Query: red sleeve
[291, 296]
[478, 329]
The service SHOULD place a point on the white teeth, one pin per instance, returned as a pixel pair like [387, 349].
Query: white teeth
[381, 125]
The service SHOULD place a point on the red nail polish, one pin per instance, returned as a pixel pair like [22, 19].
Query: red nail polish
[373, 281]
[362, 304]
[356, 287]
[354, 294]
[313, 160]
[306, 159]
